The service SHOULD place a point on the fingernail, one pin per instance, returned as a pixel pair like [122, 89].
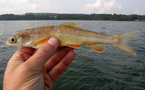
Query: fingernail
[53, 41]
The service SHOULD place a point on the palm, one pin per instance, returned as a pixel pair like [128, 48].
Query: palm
[33, 76]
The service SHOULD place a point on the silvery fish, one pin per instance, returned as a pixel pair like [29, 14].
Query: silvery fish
[70, 35]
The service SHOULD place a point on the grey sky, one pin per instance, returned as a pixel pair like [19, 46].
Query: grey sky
[73, 6]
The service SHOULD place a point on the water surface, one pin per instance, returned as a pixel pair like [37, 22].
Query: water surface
[110, 70]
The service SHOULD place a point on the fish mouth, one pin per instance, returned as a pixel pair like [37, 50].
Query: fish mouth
[6, 42]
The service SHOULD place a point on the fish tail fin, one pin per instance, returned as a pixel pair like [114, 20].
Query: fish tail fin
[123, 39]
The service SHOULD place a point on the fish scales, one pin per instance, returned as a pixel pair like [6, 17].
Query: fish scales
[70, 35]
[80, 36]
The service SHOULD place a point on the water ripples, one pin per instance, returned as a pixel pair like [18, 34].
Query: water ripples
[111, 70]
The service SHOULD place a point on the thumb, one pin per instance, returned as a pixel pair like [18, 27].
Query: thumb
[43, 53]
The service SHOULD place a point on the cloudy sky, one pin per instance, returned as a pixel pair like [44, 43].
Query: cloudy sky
[73, 6]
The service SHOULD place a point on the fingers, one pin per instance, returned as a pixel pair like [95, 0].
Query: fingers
[47, 80]
[20, 56]
[62, 65]
[23, 53]
[55, 59]
[43, 53]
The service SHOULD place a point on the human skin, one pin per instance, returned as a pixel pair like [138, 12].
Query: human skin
[25, 70]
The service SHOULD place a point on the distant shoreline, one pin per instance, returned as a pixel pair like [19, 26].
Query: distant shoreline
[70, 20]
[56, 16]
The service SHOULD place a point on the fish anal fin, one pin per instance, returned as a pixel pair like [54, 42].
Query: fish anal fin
[71, 24]
[73, 46]
[97, 47]
[40, 41]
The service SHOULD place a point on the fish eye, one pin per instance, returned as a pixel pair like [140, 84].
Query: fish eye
[13, 39]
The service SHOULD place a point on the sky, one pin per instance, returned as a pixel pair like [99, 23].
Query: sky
[73, 6]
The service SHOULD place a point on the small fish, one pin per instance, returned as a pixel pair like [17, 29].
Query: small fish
[71, 36]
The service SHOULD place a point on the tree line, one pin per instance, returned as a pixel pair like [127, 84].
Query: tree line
[53, 16]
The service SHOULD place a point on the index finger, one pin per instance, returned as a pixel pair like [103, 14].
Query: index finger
[20, 56]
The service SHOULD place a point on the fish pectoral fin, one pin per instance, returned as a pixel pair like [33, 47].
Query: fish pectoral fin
[97, 47]
[73, 46]
[40, 41]
[71, 24]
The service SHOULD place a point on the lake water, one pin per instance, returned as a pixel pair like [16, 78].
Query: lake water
[90, 70]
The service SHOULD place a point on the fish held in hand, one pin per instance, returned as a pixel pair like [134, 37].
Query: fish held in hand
[70, 35]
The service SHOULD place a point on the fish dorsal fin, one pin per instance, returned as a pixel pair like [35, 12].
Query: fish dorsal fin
[71, 24]
[40, 41]
[97, 47]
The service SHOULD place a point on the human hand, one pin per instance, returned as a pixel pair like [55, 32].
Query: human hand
[25, 68]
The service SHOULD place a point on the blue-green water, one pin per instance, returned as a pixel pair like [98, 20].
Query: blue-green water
[90, 70]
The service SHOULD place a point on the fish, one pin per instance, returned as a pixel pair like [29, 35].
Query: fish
[72, 36]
